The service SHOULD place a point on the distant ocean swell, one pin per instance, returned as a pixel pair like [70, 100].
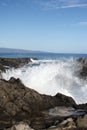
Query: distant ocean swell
[52, 76]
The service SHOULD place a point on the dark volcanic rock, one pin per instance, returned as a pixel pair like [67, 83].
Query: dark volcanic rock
[83, 67]
[19, 103]
[2, 67]
[82, 106]
[5, 63]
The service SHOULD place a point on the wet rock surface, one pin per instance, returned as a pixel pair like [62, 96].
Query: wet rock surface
[83, 67]
[5, 63]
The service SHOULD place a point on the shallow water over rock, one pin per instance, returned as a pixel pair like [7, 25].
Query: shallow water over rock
[63, 111]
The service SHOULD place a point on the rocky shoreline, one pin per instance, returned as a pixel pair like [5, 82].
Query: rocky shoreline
[5, 63]
[21, 104]
[22, 108]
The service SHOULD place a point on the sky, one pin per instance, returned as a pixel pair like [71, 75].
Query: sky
[45, 25]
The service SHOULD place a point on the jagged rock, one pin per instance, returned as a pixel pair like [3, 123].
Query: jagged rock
[5, 63]
[19, 103]
[67, 100]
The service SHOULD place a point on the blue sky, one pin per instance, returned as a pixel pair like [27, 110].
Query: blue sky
[47, 25]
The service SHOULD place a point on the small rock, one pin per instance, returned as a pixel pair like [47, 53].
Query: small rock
[68, 123]
[82, 121]
[20, 126]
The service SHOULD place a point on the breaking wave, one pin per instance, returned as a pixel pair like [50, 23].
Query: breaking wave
[52, 76]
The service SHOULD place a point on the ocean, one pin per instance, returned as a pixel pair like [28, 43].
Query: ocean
[42, 55]
[51, 74]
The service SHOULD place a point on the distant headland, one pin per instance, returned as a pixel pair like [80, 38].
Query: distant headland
[12, 50]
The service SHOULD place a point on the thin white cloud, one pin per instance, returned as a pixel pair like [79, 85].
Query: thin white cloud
[73, 6]
[51, 4]
[60, 4]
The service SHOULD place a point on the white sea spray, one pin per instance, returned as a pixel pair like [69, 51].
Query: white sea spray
[51, 77]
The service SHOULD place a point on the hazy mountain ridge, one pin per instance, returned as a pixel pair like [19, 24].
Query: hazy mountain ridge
[11, 50]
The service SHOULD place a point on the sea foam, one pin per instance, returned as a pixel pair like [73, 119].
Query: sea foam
[51, 77]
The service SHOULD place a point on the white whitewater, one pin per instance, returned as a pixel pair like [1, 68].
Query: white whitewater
[50, 77]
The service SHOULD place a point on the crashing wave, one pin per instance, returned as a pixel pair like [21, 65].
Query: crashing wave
[52, 76]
